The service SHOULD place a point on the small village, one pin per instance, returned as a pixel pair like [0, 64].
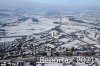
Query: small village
[44, 44]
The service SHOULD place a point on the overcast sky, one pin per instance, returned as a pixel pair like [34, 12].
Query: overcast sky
[48, 3]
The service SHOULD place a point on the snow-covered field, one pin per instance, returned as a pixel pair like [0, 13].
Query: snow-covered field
[21, 23]
[29, 27]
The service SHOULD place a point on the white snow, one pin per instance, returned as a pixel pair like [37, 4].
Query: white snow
[81, 64]
[29, 27]
[97, 46]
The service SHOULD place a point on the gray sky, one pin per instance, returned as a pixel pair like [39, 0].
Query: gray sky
[49, 3]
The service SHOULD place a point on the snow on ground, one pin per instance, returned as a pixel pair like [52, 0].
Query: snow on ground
[29, 27]
[54, 64]
[69, 65]
[38, 65]
[72, 25]
[69, 45]
[8, 39]
[71, 28]
[81, 64]
[50, 45]
[97, 46]
[68, 29]
[89, 41]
